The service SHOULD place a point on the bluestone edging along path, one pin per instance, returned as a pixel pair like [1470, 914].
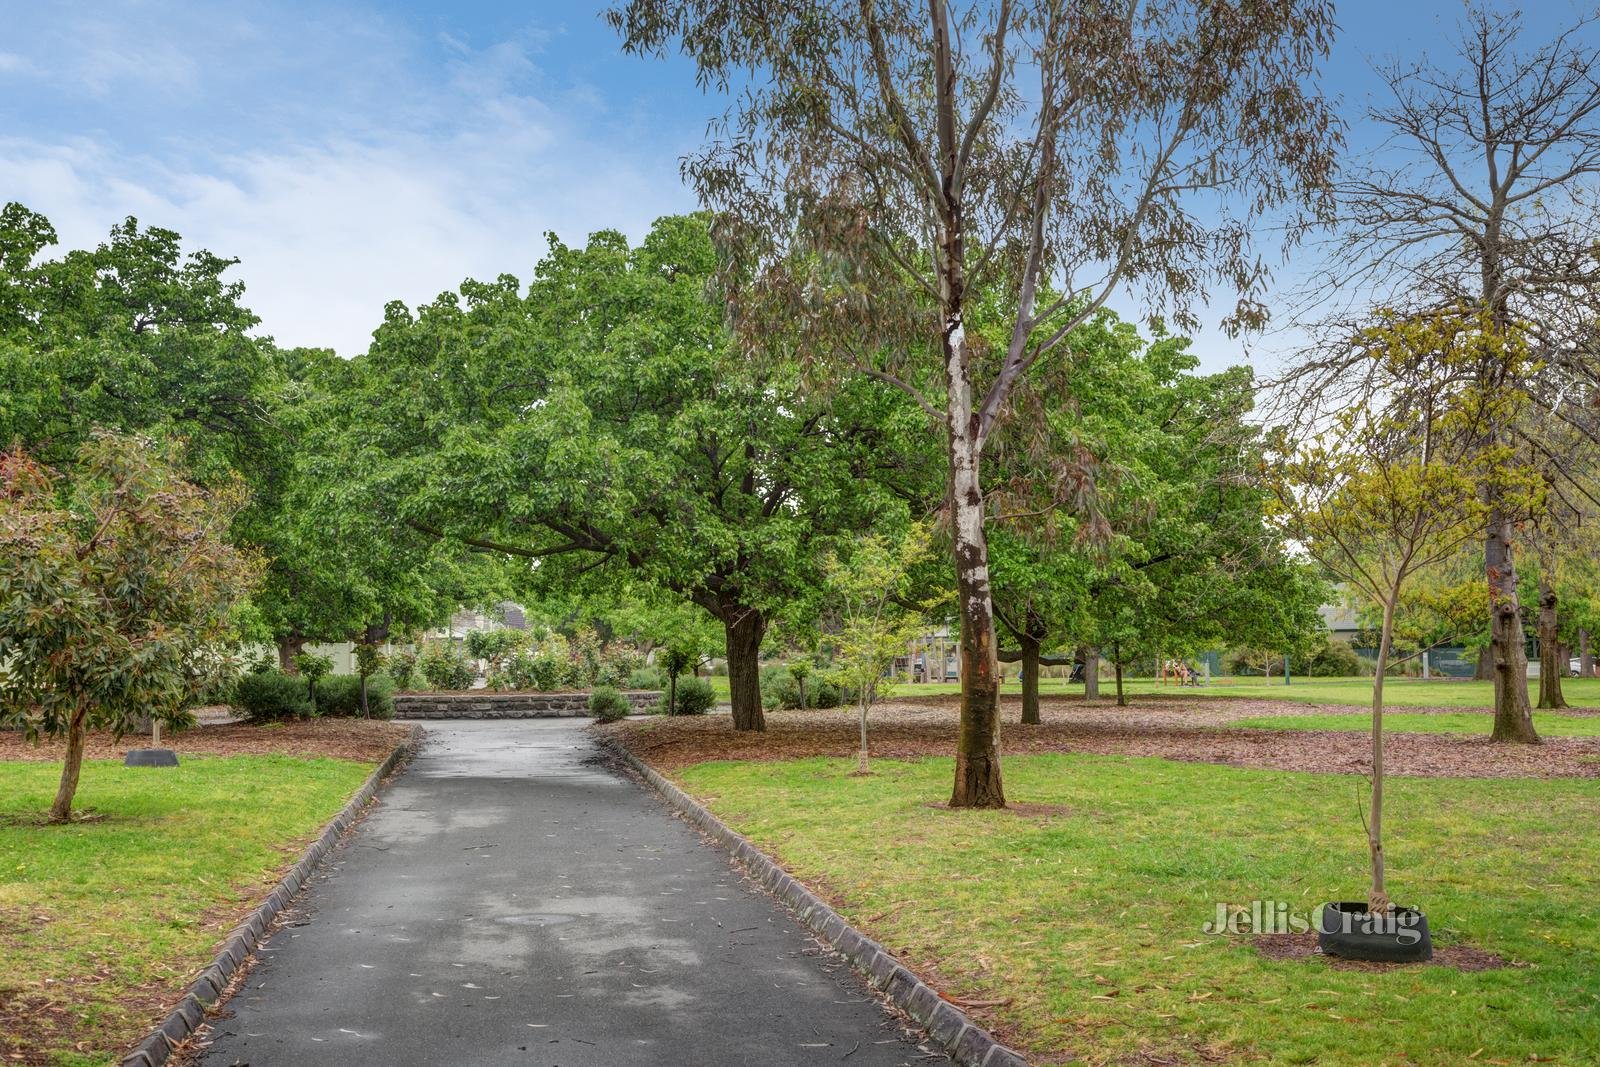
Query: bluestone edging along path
[969, 1044]
[517, 899]
[237, 947]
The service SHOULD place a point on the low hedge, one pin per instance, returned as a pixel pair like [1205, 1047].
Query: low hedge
[272, 696]
[694, 697]
[339, 696]
[608, 705]
[780, 689]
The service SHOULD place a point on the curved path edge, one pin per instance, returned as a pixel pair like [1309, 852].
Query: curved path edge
[206, 990]
[952, 1029]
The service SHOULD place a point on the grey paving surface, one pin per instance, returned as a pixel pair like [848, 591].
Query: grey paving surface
[515, 900]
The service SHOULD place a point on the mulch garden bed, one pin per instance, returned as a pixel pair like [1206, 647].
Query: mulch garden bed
[363, 740]
[1303, 946]
[1163, 727]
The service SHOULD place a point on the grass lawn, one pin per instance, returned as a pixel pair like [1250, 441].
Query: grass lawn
[1087, 923]
[1400, 692]
[1549, 724]
[104, 922]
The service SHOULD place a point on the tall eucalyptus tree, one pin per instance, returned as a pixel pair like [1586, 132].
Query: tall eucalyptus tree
[886, 160]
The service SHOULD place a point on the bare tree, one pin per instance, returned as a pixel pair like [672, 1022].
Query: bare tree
[1561, 533]
[1482, 196]
[886, 162]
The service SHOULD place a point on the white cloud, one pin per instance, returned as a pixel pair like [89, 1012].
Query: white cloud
[393, 183]
[328, 235]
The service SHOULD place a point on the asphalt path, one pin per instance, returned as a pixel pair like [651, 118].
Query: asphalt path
[517, 899]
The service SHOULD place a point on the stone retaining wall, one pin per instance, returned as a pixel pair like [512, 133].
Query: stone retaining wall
[483, 704]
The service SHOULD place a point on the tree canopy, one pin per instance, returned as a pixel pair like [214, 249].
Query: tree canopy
[601, 422]
[1129, 516]
[888, 164]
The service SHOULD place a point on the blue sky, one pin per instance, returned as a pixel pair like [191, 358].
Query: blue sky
[351, 154]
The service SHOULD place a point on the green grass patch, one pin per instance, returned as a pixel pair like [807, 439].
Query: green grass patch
[1549, 724]
[102, 920]
[1091, 921]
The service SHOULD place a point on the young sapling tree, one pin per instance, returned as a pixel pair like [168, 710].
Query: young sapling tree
[369, 660]
[800, 670]
[313, 668]
[110, 591]
[871, 593]
[675, 659]
[1400, 485]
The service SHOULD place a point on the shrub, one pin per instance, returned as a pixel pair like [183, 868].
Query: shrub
[585, 656]
[542, 669]
[608, 705]
[827, 692]
[272, 696]
[780, 689]
[608, 675]
[339, 696]
[646, 678]
[695, 697]
[380, 697]
[542, 666]
[774, 679]
[617, 664]
[402, 669]
[1334, 659]
[495, 645]
[443, 667]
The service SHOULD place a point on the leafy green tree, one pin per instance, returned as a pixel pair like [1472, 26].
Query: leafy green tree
[142, 337]
[307, 594]
[649, 618]
[343, 569]
[888, 163]
[602, 423]
[871, 589]
[135, 335]
[1131, 517]
[111, 589]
